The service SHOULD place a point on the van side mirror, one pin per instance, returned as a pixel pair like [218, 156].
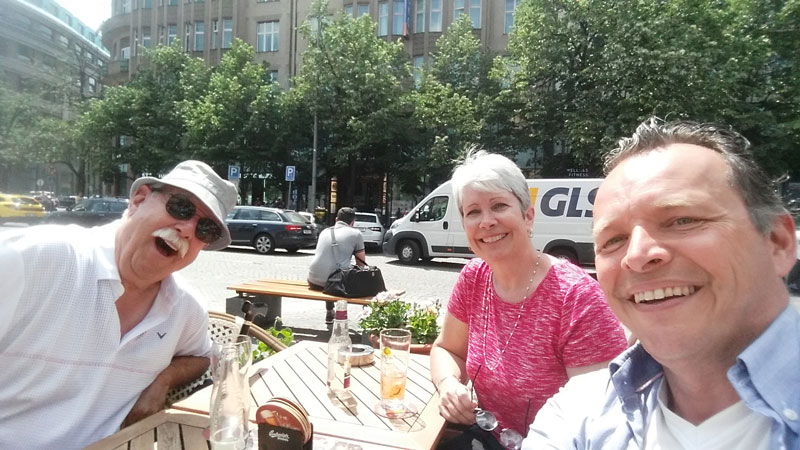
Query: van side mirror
[414, 217]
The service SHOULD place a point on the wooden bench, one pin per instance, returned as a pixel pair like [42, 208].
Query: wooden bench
[270, 292]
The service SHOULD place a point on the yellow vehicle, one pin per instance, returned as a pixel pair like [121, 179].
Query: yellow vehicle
[20, 208]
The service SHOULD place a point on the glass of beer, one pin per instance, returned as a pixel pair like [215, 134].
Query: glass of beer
[395, 353]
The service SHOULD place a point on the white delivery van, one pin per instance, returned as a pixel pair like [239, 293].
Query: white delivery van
[562, 225]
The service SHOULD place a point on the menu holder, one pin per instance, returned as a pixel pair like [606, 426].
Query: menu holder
[272, 437]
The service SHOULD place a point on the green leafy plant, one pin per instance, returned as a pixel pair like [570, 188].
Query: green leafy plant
[391, 312]
[283, 334]
[422, 322]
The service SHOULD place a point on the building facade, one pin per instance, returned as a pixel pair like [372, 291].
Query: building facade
[207, 27]
[48, 53]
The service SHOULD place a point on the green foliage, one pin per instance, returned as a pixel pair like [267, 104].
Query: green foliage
[590, 71]
[395, 313]
[285, 335]
[423, 323]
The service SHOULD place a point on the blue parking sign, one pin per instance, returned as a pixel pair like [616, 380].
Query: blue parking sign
[233, 172]
[290, 173]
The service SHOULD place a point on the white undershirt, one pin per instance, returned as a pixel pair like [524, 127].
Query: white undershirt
[735, 427]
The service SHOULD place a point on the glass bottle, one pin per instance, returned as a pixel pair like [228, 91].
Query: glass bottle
[339, 348]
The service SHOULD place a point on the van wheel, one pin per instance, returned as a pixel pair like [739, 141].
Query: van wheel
[408, 252]
[564, 253]
[264, 244]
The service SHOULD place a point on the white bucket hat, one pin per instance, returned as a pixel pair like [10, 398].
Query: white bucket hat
[197, 178]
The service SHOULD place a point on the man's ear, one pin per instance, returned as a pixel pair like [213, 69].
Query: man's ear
[784, 244]
[138, 197]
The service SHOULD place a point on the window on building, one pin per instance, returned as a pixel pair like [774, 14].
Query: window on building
[348, 10]
[199, 35]
[471, 7]
[135, 40]
[383, 18]
[172, 33]
[419, 16]
[146, 38]
[126, 6]
[214, 33]
[161, 35]
[187, 35]
[398, 17]
[47, 60]
[172, 3]
[363, 10]
[46, 32]
[63, 41]
[418, 60]
[273, 76]
[25, 53]
[147, 4]
[92, 85]
[268, 36]
[511, 5]
[125, 52]
[435, 24]
[227, 33]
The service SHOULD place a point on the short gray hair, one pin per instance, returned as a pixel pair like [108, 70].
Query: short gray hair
[489, 172]
[754, 186]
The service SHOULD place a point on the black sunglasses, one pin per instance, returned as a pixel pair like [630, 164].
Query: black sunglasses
[180, 207]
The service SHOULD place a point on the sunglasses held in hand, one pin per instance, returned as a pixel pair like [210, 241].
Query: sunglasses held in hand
[180, 207]
[487, 421]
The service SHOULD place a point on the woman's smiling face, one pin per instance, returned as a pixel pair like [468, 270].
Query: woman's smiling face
[494, 222]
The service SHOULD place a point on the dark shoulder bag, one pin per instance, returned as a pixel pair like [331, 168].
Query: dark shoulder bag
[353, 281]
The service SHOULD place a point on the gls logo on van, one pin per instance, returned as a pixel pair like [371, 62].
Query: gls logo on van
[554, 201]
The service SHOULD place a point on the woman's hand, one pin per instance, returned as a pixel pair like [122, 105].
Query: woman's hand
[456, 405]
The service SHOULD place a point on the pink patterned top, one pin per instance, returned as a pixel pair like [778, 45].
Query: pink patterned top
[566, 323]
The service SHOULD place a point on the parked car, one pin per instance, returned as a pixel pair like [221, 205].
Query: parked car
[371, 228]
[91, 211]
[20, 208]
[310, 219]
[266, 229]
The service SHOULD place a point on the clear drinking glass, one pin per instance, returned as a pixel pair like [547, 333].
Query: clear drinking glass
[395, 353]
[230, 394]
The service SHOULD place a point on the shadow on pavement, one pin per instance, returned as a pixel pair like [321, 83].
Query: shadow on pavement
[278, 252]
[433, 265]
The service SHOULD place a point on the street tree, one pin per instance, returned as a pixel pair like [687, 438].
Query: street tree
[359, 86]
[588, 72]
[140, 123]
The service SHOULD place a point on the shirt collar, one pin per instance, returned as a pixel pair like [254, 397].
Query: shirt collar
[633, 372]
[769, 366]
[106, 267]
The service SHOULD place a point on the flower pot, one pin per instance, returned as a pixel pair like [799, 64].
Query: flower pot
[422, 349]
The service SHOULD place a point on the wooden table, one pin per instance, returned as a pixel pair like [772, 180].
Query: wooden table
[299, 373]
[170, 429]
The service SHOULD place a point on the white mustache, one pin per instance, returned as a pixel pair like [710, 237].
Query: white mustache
[173, 239]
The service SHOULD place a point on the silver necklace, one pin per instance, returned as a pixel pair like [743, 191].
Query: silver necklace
[486, 300]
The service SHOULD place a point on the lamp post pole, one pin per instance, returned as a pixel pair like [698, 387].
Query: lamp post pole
[312, 202]
[313, 194]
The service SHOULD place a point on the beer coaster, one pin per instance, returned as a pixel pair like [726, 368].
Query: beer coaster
[284, 413]
[299, 411]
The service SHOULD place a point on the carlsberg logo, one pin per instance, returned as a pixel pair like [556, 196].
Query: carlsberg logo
[279, 436]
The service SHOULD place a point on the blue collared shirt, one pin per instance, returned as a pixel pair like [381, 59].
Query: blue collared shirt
[612, 409]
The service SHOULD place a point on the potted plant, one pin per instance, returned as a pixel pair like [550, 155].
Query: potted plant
[388, 311]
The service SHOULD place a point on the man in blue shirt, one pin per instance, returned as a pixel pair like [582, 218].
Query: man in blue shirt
[692, 244]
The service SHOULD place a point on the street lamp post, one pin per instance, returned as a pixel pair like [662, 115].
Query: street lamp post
[312, 201]
[317, 23]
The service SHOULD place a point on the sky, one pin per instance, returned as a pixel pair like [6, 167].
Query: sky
[90, 12]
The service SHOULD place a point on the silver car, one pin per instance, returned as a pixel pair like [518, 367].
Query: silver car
[371, 228]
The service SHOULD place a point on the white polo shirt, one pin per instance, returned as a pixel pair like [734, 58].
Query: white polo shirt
[67, 379]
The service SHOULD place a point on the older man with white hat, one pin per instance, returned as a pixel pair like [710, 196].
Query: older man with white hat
[95, 327]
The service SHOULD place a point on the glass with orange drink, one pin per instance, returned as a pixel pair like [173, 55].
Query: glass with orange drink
[395, 353]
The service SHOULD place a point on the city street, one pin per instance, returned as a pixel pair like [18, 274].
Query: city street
[212, 272]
